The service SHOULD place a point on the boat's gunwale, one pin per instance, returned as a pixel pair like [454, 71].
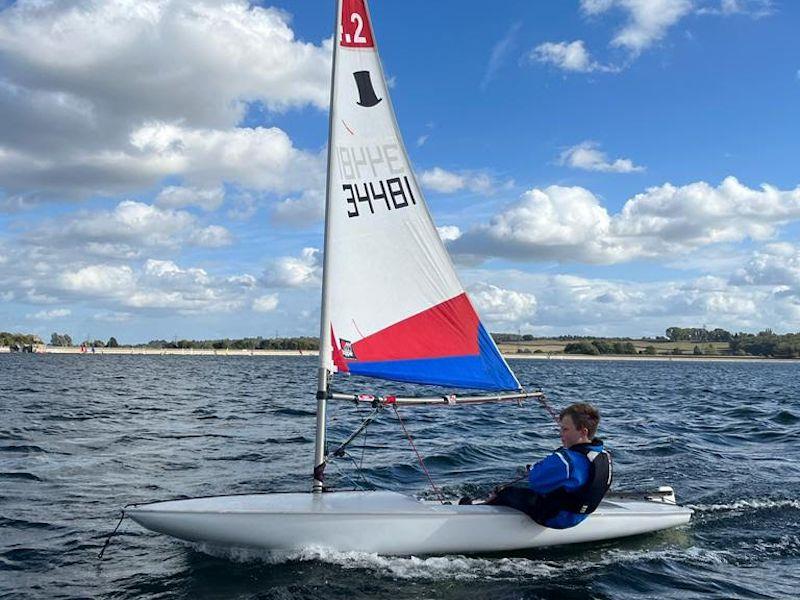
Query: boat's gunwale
[425, 509]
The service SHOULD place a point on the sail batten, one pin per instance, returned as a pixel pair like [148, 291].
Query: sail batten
[395, 307]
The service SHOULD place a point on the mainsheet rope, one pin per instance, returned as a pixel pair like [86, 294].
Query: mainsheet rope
[553, 414]
[419, 456]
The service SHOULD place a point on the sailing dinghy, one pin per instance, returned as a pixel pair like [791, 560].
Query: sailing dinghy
[392, 308]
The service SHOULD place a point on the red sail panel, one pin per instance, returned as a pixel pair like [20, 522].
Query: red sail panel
[447, 329]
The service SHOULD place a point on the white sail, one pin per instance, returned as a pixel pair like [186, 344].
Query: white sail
[394, 307]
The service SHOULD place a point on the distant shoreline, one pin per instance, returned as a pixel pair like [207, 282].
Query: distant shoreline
[127, 350]
[521, 356]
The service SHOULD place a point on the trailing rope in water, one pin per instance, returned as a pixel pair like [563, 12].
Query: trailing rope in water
[419, 456]
[108, 539]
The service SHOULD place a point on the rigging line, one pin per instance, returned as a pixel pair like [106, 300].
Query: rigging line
[543, 401]
[363, 448]
[502, 486]
[342, 473]
[340, 450]
[419, 457]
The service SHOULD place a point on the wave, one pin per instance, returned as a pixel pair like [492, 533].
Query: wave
[298, 439]
[294, 412]
[23, 524]
[21, 448]
[749, 504]
[20, 475]
[467, 568]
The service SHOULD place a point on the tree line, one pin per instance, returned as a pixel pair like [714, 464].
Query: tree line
[763, 343]
[595, 347]
[18, 339]
[766, 343]
[697, 334]
[252, 343]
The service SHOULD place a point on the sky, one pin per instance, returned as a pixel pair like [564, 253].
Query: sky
[602, 167]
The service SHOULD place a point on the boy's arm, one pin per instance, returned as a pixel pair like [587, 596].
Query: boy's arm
[549, 473]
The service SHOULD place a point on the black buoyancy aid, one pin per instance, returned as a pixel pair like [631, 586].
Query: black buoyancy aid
[585, 499]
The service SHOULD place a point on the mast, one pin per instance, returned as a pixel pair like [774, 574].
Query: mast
[324, 325]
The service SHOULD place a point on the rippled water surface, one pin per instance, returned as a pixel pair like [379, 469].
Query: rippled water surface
[81, 436]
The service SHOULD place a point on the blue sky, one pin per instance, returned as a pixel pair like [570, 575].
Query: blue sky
[610, 167]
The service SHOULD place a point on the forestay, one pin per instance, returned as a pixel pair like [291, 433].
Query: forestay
[395, 306]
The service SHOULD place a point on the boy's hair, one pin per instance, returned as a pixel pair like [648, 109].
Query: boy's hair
[583, 415]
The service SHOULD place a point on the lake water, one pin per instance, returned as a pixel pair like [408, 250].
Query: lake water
[81, 436]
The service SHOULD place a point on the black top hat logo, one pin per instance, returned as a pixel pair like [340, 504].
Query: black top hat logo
[366, 92]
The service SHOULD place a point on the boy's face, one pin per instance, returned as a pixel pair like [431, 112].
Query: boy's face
[570, 435]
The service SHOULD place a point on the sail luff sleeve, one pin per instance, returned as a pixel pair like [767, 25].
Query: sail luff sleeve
[325, 354]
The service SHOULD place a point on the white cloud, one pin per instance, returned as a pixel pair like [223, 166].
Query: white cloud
[168, 50]
[213, 236]
[246, 281]
[421, 140]
[569, 56]
[449, 233]
[449, 182]
[596, 306]
[70, 119]
[99, 280]
[266, 303]
[569, 223]
[775, 265]
[753, 8]
[294, 272]
[304, 211]
[501, 306]
[648, 20]
[500, 52]
[262, 158]
[587, 156]
[442, 181]
[159, 285]
[647, 23]
[563, 223]
[699, 214]
[49, 315]
[731, 6]
[178, 197]
[34, 296]
[112, 317]
[129, 227]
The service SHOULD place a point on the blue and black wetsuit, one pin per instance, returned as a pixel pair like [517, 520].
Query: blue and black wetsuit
[564, 487]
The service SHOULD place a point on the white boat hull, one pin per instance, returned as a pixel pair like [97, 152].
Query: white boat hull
[387, 523]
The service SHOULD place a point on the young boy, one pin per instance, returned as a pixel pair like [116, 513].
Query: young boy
[569, 484]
